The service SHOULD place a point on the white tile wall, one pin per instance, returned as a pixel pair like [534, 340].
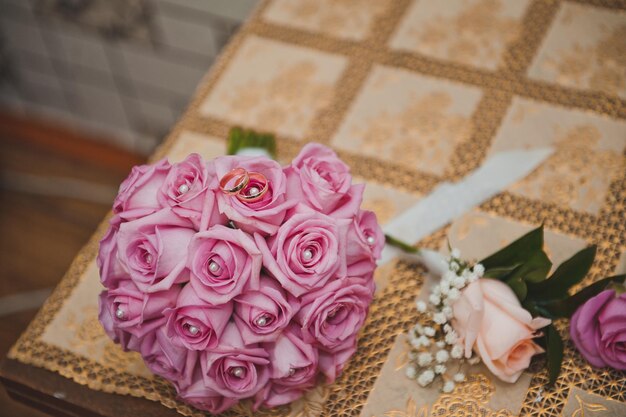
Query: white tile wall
[131, 90]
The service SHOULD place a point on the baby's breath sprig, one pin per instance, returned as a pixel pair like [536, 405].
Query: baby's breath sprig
[436, 353]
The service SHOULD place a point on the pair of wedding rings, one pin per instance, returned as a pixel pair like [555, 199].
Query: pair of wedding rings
[246, 186]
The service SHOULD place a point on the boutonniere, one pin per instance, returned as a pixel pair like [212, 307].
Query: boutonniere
[501, 310]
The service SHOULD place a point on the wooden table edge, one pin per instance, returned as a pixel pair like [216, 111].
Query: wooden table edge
[59, 396]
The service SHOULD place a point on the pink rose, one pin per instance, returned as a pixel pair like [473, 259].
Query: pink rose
[108, 320]
[598, 330]
[194, 323]
[111, 271]
[167, 360]
[366, 244]
[332, 316]
[153, 250]
[261, 314]
[331, 364]
[186, 190]
[137, 196]
[234, 369]
[222, 262]
[490, 320]
[306, 252]
[202, 397]
[294, 370]
[323, 181]
[262, 216]
[133, 310]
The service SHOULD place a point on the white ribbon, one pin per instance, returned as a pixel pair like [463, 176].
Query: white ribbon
[254, 152]
[449, 201]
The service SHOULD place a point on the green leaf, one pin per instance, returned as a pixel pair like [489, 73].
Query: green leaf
[501, 272]
[565, 307]
[516, 252]
[535, 269]
[519, 287]
[554, 351]
[569, 273]
[239, 139]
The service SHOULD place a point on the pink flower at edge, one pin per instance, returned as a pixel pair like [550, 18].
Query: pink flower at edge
[234, 369]
[153, 250]
[202, 397]
[294, 369]
[366, 241]
[163, 358]
[134, 311]
[323, 181]
[332, 363]
[262, 314]
[222, 262]
[263, 216]
[598, 330]
[195, 324]
[333, 315]
[490, 320]
[111, 271]
[137, 196]
[306, 252]
[108, 320]
[189, 190]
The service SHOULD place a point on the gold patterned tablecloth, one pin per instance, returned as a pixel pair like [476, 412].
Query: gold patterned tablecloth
[410, 94]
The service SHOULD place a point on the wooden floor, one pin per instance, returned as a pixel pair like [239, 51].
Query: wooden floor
[46, 174]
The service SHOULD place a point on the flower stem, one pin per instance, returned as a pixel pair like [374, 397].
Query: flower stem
[390, 240]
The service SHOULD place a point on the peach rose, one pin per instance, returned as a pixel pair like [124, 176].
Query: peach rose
[490, 320]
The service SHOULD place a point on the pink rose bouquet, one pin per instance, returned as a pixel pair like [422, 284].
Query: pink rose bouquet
[237, 278]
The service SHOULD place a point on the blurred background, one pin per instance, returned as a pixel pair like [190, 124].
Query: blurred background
[88, 88]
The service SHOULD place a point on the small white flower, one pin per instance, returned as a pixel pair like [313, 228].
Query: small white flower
[448, 276]
[457, 352]
[416, 342]
[440, 344]
[426, 377]
[447, 310]
[445, 286]
[411, 372]
[439, 318]
[424, 341]
[453, 294]
[434, 299]
[445, 290]
[456, 253]
[429, 331]
[447, 328]
[436, 290]
[459, 282]
[421, 306]
[448, 386]
[454, 266]
[479, 269]
[442, 356]
[440, 369]
[459, 377]
[424, 359]
[451, 337]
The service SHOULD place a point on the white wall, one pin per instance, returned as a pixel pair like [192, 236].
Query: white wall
[129, 85]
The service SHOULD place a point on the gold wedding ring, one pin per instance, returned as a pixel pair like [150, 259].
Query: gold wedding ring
[234, 181]
[256, 178]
